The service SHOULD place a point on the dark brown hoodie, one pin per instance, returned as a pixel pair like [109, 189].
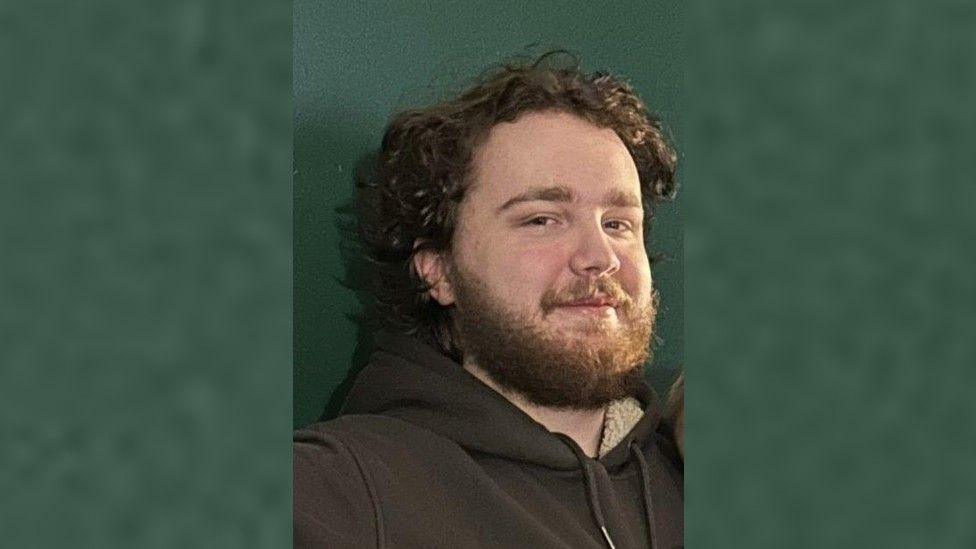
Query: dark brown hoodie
[424, 455]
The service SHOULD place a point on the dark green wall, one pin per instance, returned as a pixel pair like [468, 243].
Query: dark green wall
[355, 66]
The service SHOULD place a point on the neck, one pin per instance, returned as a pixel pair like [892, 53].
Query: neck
[585, 427]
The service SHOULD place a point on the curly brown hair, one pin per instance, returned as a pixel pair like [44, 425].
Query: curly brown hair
[410, 202]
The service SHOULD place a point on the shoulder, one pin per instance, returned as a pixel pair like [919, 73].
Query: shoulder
[350, 473]
[347, 445]
[336, 502]
[351, 427]
[379, 452]
[372, 436]
[371, 451]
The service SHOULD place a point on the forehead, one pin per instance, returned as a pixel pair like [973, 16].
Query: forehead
[551, 149]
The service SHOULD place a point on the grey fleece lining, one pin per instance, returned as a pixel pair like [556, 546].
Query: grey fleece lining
[620, 418]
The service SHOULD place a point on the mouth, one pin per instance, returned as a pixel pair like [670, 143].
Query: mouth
[595, 305]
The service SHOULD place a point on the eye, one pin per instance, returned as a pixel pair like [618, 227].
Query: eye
[618, 225]
[541, 221]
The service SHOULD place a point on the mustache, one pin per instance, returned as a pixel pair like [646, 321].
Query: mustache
[586, 289]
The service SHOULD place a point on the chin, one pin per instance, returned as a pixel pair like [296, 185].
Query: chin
[593, 326]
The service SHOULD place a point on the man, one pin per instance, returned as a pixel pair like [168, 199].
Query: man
[505, 407]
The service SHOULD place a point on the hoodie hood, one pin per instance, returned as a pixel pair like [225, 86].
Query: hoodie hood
[410, 380]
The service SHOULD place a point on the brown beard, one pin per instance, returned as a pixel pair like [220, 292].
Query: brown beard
[548, 367]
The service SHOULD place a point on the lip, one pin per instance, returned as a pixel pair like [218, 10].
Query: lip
[596, 306]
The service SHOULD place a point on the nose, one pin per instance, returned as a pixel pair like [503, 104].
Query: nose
[594, 255]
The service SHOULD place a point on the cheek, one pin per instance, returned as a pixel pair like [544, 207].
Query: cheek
[522, 276]
[533, 272]
[635, 275]
[515, 274]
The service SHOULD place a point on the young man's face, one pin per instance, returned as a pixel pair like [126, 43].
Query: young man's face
[549, 274]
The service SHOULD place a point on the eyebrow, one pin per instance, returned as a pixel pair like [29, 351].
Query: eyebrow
[615, 198]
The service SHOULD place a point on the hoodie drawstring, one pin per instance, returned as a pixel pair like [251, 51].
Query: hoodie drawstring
[644, 473]
[591, 495]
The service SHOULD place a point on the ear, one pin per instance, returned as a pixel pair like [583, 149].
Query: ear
[432, 268]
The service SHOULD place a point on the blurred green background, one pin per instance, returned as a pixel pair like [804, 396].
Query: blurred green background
[831, 215]
[145, 274]
[357, 65]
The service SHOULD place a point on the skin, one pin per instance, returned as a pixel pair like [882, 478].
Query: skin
[553, 200]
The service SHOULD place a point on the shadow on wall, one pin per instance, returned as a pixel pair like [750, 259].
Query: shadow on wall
[325, 142]
[357, 271]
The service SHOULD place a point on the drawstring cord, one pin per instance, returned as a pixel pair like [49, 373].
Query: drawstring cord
[591, 495]
[644, 474]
